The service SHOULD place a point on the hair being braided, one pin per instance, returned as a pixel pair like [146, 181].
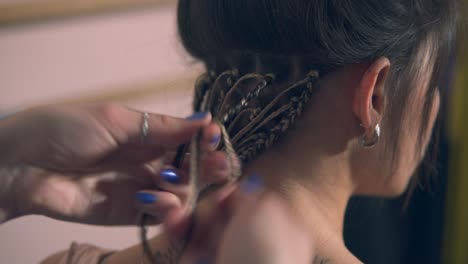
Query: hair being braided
[252, 111]
[256, 111]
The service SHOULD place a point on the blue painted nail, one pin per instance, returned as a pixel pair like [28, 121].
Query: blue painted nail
[146, 198]
[170, 176]
[197, 116]
[215, 140]
[252, 184]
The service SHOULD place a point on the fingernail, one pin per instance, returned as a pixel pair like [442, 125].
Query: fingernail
[251, 184]
[170, 176]
[197, 116]
[145, 198]
[215, 140]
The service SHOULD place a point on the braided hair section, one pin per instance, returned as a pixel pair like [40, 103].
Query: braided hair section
[254, 110]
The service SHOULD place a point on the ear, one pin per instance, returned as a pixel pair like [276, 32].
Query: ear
[369, 99]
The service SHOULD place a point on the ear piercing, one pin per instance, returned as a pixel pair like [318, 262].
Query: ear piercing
[367, 142]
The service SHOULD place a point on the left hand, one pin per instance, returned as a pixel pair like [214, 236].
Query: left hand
[86, 163]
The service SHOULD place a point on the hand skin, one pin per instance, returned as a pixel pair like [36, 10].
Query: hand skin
[86, 163]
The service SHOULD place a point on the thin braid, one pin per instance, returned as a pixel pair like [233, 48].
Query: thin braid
[256, 142]
[220, 87]
[235, 100]
[263, 141]
[231, 152]
[276, 100]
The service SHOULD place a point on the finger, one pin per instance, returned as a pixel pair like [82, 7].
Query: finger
[211, 211]
[126, 160]
[164, 132]
[177, 181]
[157, 203]
[146, 175]
[215, 167]
[177, 223]
[155, 165]
[211, 137]
[204, 238]
[174, 181]
[202, 235]
[124, 157]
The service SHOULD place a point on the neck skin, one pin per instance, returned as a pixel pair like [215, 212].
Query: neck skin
[317, 190]
[311, 165]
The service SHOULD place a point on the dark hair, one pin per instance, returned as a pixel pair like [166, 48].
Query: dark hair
[327, 34]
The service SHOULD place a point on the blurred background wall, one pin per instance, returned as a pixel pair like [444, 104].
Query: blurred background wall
[87, 56]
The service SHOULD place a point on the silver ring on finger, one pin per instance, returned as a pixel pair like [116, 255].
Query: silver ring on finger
[144, 128]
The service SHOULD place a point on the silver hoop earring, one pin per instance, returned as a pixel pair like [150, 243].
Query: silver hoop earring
[371, 142]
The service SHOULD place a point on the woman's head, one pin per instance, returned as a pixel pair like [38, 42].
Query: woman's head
[383, 59]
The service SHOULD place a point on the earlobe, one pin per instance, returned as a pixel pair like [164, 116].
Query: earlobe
[369, 97]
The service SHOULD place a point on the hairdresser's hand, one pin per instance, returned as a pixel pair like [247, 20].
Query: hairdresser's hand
[244, 225]
[86, 164]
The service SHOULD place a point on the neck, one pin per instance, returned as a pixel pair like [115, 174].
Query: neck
[317, 189]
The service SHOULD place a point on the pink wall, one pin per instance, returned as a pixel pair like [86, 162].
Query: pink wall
[66, 58]
[69, 58]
